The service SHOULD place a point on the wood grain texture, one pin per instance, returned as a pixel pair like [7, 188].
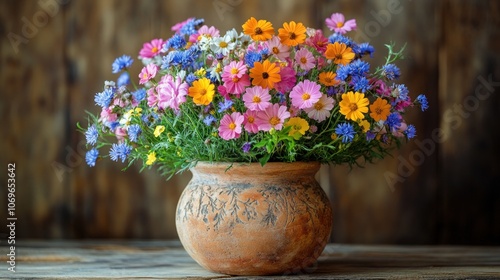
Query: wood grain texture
[168, 260]
[452, 196]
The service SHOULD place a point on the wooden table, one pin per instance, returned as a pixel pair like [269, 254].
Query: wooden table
[167, 259]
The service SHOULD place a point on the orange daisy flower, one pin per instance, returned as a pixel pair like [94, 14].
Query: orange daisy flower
[265, 74]
[353, 105]
[328, 78]
[261, 30]
[380, 109]
[339, 53]
[292, 33]
[202, 91]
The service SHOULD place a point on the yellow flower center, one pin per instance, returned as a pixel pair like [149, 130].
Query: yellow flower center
[297, 127]
[303, 59]
[203, 91]
[222, 44]
[235, 80]
[256, 99]
[340, 24]
[276, 50]
[251, 119]
[318, 106]
[306, 96]
[232, 126]
[274, 121]
[234, 71]
[353, 107]
[154, 50]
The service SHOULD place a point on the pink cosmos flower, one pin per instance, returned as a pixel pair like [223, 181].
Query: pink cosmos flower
[206, 31]
[275, 47]
[237, 85]
[120, 133]
[305, 94]
[288, 79]
[337, 23]
[318, 41]
[294, 111]
[230, 126]
[234, 69]
[304, 59]
[273, 117]
[151, 49]
[178, 26]
[223, 91]
[257, 98]
[148, 72]
[152, 97]
[171, 92]
[107, 115]
[249, 123]
[321, 109]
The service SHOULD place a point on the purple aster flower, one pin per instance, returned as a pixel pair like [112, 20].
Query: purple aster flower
[411, 131]
[91, 135]
[121, 63]
[91, 157]
[424, 105]
[133, 132]
[246, 147]
[391, 71]
[346, 132]
[370, 135]
[120, 151]
[104, 98]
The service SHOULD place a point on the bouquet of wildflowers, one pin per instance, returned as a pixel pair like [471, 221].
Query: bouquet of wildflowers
[251, 96]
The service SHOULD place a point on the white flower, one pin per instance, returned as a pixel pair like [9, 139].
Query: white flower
[222, 45]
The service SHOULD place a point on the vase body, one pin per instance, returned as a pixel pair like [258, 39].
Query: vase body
[245, 219]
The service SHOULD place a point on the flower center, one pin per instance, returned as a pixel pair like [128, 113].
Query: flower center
[274, 121]
[340, 24]
[353, 107]
[293, 36]
[265, 75]
[235, 80]
[256, 99]
[203, 91]
[318, 106]
[306, 96]
[234, 71]
[258, 31]
[328, 80]
[303, 60]
[378, 111]
[154, 50]
[251, 119]
[222, 44]
[338, 56]
[297, 127]
[232, 126]
[276, 50]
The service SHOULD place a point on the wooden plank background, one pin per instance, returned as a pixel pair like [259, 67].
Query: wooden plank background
[449, 192]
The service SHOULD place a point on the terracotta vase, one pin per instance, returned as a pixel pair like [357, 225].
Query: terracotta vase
[245, 219]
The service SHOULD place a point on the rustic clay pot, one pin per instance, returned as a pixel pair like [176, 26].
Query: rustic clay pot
[244, 219]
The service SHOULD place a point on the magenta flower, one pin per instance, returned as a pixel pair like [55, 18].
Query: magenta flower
[151, 49]
[338, 24]
[318, 41]
[230, 126]
[305, 94]
[148, 72]
[304, 59]
[171, 92]
[257, 98]
[321, 109]
[288, 79]
[250, 122]
[237, 85]
[273, 117]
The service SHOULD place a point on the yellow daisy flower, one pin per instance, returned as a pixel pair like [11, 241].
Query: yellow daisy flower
[353, 105]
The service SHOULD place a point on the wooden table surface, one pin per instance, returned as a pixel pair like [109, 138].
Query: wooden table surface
[168, 260]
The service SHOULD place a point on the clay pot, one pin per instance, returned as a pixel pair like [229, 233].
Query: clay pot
[245, 219]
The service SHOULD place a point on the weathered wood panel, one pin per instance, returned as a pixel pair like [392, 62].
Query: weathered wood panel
[448, 196]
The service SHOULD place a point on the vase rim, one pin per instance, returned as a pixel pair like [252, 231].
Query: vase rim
[256, 167]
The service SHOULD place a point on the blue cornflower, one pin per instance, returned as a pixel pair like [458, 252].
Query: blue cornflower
[173, 58]
[104, 98]
[336, 37]
[112, 125]
[91, 157]
[209, 119]
[411, 131]
[251, 57]
[123, 80]
[225, 105]
[133, 132]
[364, 48]
[190, 78]
[393, 121]
[121, 63]
[360, 83]
[391, 71]
[139, 94]
[424, 105]
[246, 147]
[120, 151]
[401, 92]
[191, 27]
[346, 132]
[176, 42]
[91, 135]
[359, 67]
[343, 71]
